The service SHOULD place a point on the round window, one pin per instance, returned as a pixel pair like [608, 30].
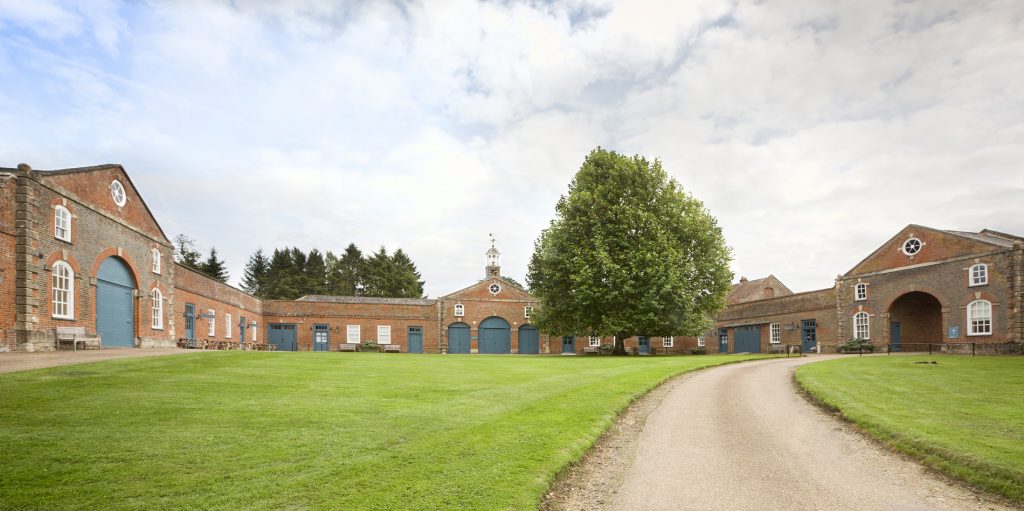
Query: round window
[118, 193]
[912, 246]
[494, 289]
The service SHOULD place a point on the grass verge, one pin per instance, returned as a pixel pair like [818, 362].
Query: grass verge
[962, 416]
[238, 430]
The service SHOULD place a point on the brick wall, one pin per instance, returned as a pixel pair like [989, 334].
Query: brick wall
[788, 312]
[368, 316]
[207, 294]
[7, 247]
[479, 304]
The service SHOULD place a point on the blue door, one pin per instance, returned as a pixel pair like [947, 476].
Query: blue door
[643, 345]
[190, 321]
[241, 329]
[568, 344]
[321, 338]
[747, 339]
[458, 338]
[114, 313]
[723, 340]
[809, 335]
[282, 336]
[896, 334]
[529, 340]
[415, 339]
[495, 336]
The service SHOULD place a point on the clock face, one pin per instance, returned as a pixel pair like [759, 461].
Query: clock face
[494, 289]
[912, 246]
[117, 193]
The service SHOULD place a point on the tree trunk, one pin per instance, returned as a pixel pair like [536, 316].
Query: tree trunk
[620, 344]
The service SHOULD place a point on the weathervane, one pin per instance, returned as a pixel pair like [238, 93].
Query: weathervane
[491, 234]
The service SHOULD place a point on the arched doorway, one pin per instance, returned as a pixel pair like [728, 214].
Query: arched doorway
[495, 336]
[458, 338]
[915, 319]
[115, 315]
[529, 340]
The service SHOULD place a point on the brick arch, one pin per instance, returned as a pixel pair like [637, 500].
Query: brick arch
[969, 297]
[112, 252]
[917, 288]
[59, 256]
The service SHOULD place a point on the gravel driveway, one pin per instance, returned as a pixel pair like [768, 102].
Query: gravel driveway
[741, 437]
[21, 361]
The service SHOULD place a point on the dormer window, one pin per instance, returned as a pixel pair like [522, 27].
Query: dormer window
[460, 310]
[979, 275]
[156, 261]
[118, 194]
[62, 223]
[860, 292]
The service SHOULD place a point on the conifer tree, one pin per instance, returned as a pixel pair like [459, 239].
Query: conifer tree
[406, 283]
[214, 267]
[254, 279]
[315, 274]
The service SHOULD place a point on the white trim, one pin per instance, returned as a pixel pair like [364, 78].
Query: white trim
[775, 331]
[982, 275]
[383, 334]
[114, 185]
[157, 309]
[701, 342]
[867, 326]
[62, 222]
[668, 342]
[211, 330]
[227, 326]
[984, 321]
[860, 292]
[352, 334]
[62, 291]
[528, 311]
[594, 341]
[156, 258]
[920, 245]
[460, 310]
[254, 328]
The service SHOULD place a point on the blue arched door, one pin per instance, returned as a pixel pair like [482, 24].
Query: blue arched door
[495, 336]
[529, 340]
[458, 338]
[114, 313]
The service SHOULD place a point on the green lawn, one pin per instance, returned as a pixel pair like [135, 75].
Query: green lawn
[246, 430]
[963, 416]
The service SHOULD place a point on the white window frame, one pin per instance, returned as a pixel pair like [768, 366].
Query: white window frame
[62, 294]
[595, 341]
[979, 325]
[156, 260]
[701, 342]
[860, 292]
[211, 330]
[254, 327]
[383, 334]
[978, 275]
[528, 311]
[857, 324]
[113, 193]
[227, 326]
[906, 244]
[460, 310]
[62, 222]
[668, 342]
[775, 331]
[157, 309]
[352, 332]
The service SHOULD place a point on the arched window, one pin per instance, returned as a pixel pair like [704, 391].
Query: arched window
[460, 310]
[979, 274]
[861, 292]
[63, 284]
[62, 223]
[861, 326]
[156, 261]
[158, 309]
[979, 318]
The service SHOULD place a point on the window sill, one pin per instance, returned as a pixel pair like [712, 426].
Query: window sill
[62, 239]
[978, 285]
[156, 328]
[63, 318]
[988, 334]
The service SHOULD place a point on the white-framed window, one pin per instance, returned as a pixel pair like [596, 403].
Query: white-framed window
[212, 329]
[860, 291]
[227, 325]
[701, 342]
[861, 326]
[912, 246]
[460, 310]
[528, 311]
[156, 261]
[158, 309]
[253, 328]
[595, 341]
[63, 284]
[776, 333]
[117, 193]
[979, 275]
[62, 223]
[668, 342]
[352, 334]
[383, 334]
[979, 318]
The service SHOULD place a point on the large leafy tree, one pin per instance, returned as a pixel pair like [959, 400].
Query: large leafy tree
[628, 253]
[185, 252]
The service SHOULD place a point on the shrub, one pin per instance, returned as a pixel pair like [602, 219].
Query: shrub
[698, 351]
[368, 345]
[855, 345]
[607, 348]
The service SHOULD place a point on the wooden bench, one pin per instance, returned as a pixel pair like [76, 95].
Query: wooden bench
[75, 335]
[348, 347]
[390, 348]
[596, 350]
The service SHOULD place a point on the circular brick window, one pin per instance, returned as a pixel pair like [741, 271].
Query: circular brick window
[118, 193]
[494, 289]
[912, 246]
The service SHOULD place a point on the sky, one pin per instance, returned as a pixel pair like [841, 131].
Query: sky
[813, 131]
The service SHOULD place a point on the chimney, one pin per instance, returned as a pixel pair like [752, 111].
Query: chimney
[743, 280]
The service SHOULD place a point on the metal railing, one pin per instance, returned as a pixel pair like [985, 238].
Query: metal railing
[932, 348]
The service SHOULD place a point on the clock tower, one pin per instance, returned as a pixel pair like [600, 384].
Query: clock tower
[493, 268]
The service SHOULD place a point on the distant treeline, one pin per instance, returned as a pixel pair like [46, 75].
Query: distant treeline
[290, 273]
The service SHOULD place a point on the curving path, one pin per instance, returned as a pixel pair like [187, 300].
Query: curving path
[739, 437]
[22, 361]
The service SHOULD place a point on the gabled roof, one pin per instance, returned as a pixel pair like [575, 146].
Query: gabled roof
[989, 236]
[505, 284]
[366, 299]
[959, 243]
[749, 290]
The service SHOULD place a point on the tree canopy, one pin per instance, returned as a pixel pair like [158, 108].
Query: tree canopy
[628, 253]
